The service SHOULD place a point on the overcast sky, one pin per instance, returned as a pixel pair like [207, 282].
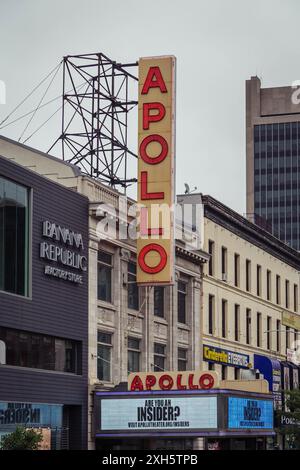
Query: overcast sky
[218, 44]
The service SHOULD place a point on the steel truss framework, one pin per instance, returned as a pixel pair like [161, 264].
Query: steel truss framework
[95, 116]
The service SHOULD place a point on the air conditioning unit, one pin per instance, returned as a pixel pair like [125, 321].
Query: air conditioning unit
[224, 277]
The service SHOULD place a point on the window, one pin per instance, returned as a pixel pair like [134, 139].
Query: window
[211, 366]
[248, 275]
[224, 318]
[181, 298]
[296, 338]
[159, 301]
[133, 290]
[295, 298]
[182, 359]
[104, 276]
[159, 357]
[287, 294]
[269, 332]
[211, 313]
[278, 328]
[104, 348]
[37, 351]
[258, 331]
[236, 322]
[278, 290]
[14, 237]
[287, 337]
[248, 326]
[211, 251]
[237, 270]
[134, 355]
[224, 263]
[224, 372]
[237, 373]
[258, 279]
[268, 284]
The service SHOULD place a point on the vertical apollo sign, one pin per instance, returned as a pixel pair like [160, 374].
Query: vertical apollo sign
[156, 171]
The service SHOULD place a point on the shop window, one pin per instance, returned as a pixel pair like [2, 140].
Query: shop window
[287, 294]
[159, 301]
[248, 275]
[224, 318]
[224, 372]
[104, 276]
[258, 330]
[134, 355]
[268, 284]
[133, 290]
[269, 332]
[159, 357]
[248, 326]
[14, 238]
[236, 322]
[278, 331]
[237, 270]
[295, 298]
[211, 251]
[211, 314]
[26, 349]
[182, 359]
[181, 296]
[278, 290]
[224, 263]
[104, 350]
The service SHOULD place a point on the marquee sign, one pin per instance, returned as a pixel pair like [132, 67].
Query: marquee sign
[158, 413]
[196, 380]
[156, 170]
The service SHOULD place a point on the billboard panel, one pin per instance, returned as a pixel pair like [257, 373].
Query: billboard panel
[156, 171]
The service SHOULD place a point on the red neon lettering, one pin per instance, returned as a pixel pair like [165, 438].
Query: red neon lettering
[179, 385]
[206, 381]
[144, 224]
[144, 190]
[150, 381]
[165, 378]
[164, 149]
[163, 258]
[148, 118]
[154, 79]
[137, 384]
[192, 386]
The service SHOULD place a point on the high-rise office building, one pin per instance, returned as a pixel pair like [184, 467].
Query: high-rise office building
[273, 159]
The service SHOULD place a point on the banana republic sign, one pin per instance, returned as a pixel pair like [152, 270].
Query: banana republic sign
[64, 250]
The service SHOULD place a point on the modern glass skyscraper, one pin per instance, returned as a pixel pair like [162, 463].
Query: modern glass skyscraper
[273, 160]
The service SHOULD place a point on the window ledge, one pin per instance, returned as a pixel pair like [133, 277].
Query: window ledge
[183, 326]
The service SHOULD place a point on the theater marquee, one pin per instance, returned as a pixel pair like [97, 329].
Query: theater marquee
[156, 170]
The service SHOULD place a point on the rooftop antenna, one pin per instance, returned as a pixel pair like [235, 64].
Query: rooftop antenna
[95, 106]
[188, 190]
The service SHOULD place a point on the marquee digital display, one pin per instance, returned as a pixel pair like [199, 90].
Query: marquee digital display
[248, 413]
[159, 413]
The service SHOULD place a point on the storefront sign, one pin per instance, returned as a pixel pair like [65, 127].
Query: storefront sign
[291, 319]
[271, 370]
[159, 413]
[287, 420]
[156, 173]
[66, 250]
[36, 414]
[247, 413]
[195, 380]
[222, 356]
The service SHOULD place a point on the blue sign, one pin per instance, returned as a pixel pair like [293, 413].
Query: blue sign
[248, 413]
[270, 368]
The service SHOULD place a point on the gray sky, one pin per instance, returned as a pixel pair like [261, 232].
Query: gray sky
[218, 45]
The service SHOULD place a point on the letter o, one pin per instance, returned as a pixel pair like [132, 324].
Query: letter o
[206, 381]
[163, 258]
[164, 149]
[165, 378]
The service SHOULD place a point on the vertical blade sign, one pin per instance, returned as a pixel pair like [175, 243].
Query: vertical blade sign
[156, 171]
